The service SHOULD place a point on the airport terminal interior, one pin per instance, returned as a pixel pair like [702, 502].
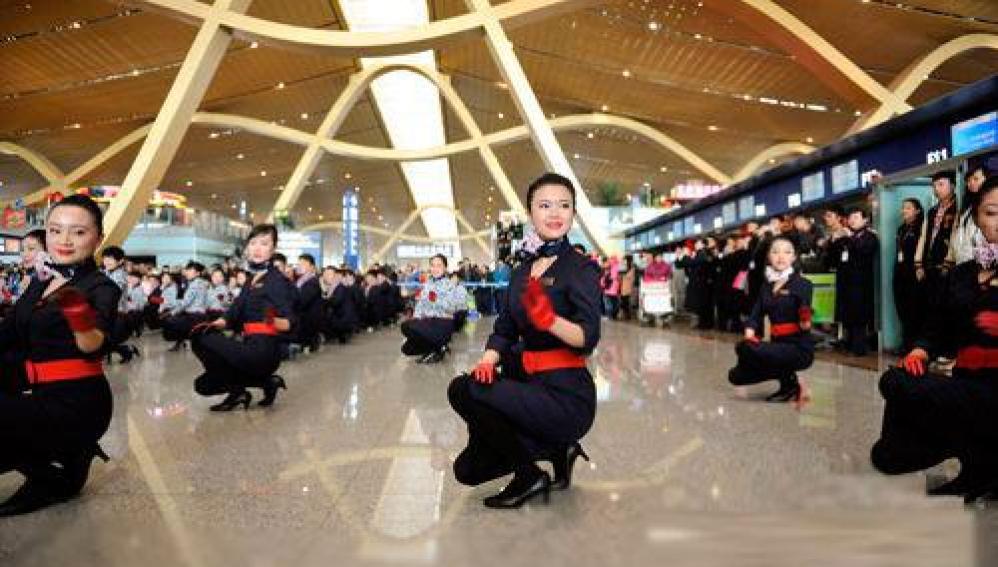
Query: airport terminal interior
[498, 282]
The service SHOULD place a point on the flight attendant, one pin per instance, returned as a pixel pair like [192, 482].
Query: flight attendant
[63, 324]
[531, 397]
[428, 333]
[928, 417]
[786, 300]
[263, 312]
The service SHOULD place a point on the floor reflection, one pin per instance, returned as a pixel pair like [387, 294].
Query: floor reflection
[352, 466]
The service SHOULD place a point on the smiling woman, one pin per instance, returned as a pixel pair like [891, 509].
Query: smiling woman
[59, 327]
[531, 397]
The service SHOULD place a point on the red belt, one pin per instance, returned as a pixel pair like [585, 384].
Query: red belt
[977, 358]
[62, 370]
[259, 329]
[535, 361]
[784, 329]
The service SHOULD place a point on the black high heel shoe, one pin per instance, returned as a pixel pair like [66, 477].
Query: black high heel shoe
[135, 351]
[564, 464]
[270, 390]
[789, 390]
[520, 491]
[177, 346]
[50, 484]
[234, 400]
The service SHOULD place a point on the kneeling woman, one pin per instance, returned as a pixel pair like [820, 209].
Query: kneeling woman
[542, 401]
[428, 333]
[62, 324]
[262, 312]
[929, 418]
[786, 300]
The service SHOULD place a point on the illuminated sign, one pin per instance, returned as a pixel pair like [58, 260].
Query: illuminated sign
[351, 229]
[693, 190]
[975, 134]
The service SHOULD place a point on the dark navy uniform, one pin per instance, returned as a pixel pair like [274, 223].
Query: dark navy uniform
[232, 364]
[309, 310]
[64, 416]
[931, 418]
[790, 349]
[550, 409]
[340, 318]
[908, 291]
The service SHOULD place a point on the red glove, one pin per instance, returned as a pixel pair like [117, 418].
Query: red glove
[913, 363]
[484, 373]
[269, 314]
[76, 310]
[806, 314]
[419, 291]
[156, 300]
[539, 308]
[987, 321]
[754, 340]
[432, 295]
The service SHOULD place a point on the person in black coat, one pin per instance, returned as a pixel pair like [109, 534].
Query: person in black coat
[531, 397]
[309, 307]
[909, 299]
[937, 231]
[855, 288]
[700, 268]
[263, 312]
[63, 325]
[928, 417]
[786, 301]
[340, 318]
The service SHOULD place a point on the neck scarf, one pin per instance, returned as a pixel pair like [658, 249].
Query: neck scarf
[986, 255]
[257, 268]
[773, 276]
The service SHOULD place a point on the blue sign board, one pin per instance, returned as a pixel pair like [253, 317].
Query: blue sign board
[975, 134]
[351, 229]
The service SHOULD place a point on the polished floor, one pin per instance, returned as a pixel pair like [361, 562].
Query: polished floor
[352, 467]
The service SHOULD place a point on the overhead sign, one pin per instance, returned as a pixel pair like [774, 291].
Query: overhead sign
[293, 244]
[975, 134]
[351, 229]
[694, 190]
[425, 250]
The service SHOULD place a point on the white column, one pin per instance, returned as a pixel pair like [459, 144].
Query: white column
[533, 116]
[376, 257]
[174, 117]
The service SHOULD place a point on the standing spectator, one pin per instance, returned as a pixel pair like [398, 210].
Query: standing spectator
[627, 286]
[856, 271]
[908, 296]
[933, 246]
[611, 287]
[967, 235]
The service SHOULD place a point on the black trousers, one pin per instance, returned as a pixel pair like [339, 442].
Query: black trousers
[233, 364]
[178, 327]
[56, 422]
[423, 336]
[777, 360]
[494, 446]
[932, 418]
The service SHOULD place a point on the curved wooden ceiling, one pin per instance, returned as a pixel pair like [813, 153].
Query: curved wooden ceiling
[78, 75]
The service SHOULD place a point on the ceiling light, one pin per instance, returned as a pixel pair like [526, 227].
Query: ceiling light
[810, 140]
[254, 45]
[321, 217]
[501, 116]
[626, 73]
[605, 108]
[263, 173]
[590, 135]
[213, 135]
[280, 85]
[214, 195]
[713, 128]
[576, 156]
[310, 209]
[240, 156]
[857, 113]
[189, 183]
[347, 175]
[663, 169]
[653, 25]
[304, 116]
